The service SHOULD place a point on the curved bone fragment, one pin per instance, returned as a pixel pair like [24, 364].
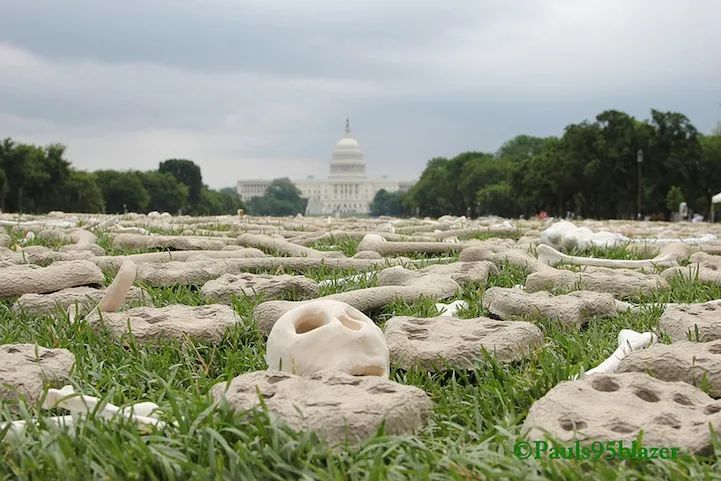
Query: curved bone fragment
[117, 291]
[326, 334]
[628, 342]
[451, 309]
[25, 278]
[374, 242]
[397, 284]
[280, 245]
[550, 256]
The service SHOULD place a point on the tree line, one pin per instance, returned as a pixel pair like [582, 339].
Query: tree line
[592, 170]
[37, 179]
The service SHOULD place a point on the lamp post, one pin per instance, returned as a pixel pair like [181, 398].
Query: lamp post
[639, 161]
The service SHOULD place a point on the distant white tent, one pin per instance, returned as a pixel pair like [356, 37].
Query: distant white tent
[716, 199]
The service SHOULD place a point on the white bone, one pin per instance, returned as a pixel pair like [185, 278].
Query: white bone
[75, 402]
[628, 342]
[327, 334]
[451, 309]
[549, 255]
[117, 291]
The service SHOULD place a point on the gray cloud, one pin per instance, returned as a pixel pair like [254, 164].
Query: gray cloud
[261, 89]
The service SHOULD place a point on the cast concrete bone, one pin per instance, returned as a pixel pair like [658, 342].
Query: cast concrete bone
[206, 323]
[697, 363]
[697, 322]
[178, 256]
[25, 370]
[87, 297]
[227, 286]
[573, 309]
[396, 284]
[619, 282]
[181, 243]
[26, 278]
[374, 242]
[628, 341]
[514, 257]
[550, 256]
[617, 407]
[437, 343]
[200, 272]
[327, 335]
[342, 408]
[283, 246]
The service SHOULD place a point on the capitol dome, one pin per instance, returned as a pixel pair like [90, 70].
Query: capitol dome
[347, 157]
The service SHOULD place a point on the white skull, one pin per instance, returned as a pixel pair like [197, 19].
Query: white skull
[326, 334]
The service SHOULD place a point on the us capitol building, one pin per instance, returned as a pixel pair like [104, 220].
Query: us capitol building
[347, 191]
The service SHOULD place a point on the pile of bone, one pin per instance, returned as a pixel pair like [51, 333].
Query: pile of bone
[325, 342]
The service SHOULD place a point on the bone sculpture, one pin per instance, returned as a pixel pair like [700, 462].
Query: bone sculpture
[451, 309]
[550, 256]
[396, 284]
[26, 279]
[81, 405]
[628, 342]
[115, 294]
[326, 334]
[374, 242]
[283, 246]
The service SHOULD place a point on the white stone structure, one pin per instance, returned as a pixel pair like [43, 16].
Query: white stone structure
[346, 191]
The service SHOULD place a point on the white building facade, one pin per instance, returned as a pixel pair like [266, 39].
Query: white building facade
[346, 191]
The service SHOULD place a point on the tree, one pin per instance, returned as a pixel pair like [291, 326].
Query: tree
[497, 199]
[674, 197]
[281, 197]
[165, 192]
[386, 203]
[187, 173]
[81, 194]
[122, 190]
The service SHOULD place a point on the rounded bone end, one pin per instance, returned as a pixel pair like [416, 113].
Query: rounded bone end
[327, 334]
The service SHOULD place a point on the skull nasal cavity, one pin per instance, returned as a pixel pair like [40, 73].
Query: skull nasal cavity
[349, 322]
[308, 323]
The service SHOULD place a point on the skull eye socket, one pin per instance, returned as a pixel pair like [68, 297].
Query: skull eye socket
[349, 322]
[308, 323]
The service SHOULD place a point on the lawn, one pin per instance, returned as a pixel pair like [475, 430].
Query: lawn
[476, 418]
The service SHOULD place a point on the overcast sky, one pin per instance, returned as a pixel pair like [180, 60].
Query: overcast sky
[252, 89]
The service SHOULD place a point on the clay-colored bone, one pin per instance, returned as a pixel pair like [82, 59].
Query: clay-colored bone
[178, 256]
[327, 335]
[397, 284]
[283, 246]
[619, 282]
[181, 243]
[697, 363]
[227, 286]
[200, 272]
[697, 322]
[442, 342]
[337, 406]
[550, 256]
[574, 309]
[25, 369]
[374, 242]
[85, 297]
[24, 279]
[617, 407]
[514, 257]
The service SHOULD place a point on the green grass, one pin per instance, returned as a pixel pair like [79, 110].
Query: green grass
[476, 418]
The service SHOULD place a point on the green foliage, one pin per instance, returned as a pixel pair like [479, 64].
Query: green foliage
[674, 197]
[187, 173]
[281, 197]
[166, 193]
[386, 203]
[218, 202]
[123, 191]
[82, 194]
[591, 170]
